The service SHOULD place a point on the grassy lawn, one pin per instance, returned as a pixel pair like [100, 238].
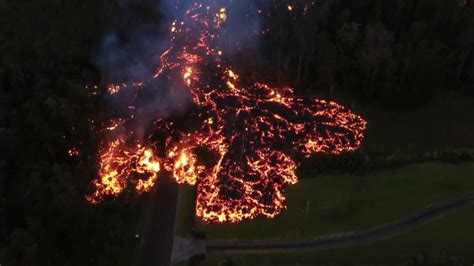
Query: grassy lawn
[340, 203]
[448, 238]
[443, 123]
[334, 204]
[344, 202]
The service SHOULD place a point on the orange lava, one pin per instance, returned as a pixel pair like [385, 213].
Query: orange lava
[118, 162]
[241, 148]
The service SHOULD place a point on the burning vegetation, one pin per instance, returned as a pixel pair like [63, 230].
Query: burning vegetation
[240, 141]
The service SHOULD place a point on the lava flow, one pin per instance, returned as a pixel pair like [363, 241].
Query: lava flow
[240, 143]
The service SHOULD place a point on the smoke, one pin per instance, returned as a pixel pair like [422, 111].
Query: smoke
[131, 46]
[139, 32]
[131, 59]
[242, 28]
[130, 52]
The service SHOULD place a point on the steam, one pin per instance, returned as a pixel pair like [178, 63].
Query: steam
[242, 28]
[130, 53]
[130, 48]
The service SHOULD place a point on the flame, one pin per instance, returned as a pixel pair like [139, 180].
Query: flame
[187, 75]
[147, 164]
[73, 152]
[222, 14]
[113, 89]
[118, 162]
[243, 137]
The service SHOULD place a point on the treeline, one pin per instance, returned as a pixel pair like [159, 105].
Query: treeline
[394, 53]
[46, 60]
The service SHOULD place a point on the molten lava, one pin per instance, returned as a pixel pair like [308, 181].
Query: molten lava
[241, 148]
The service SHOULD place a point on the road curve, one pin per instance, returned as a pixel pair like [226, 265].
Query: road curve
[370, 234]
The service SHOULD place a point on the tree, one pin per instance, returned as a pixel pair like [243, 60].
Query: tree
[326, 63]
[376, 50]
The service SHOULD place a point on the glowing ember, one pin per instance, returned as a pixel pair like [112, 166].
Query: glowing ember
[241, 147]
[122, 165]
[73, 152]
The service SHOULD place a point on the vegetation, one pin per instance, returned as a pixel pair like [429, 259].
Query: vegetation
[446, 241]
[46, 61]
[345, 203]
[414, 56]
[398, 54]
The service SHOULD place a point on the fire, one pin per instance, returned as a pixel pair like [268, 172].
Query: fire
[243, 137]
[113, 89]
[222, 14]
[122, 165]
[187, 75]
[232, 75]
[147, 164]
[184, 169]
[72, 152]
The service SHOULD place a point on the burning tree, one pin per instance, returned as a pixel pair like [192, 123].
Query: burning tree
[241, 139]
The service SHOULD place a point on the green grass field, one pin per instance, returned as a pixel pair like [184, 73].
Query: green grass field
[335, 204]
[341, 203]
[347, 202]
[446, 241]
[444, 123]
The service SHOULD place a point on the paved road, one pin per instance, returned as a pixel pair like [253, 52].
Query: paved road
[374, 233]
[156, 244]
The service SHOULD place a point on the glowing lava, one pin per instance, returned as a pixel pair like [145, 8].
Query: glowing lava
[241, 147]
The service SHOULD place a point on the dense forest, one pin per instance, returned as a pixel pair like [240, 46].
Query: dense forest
[395, 55]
